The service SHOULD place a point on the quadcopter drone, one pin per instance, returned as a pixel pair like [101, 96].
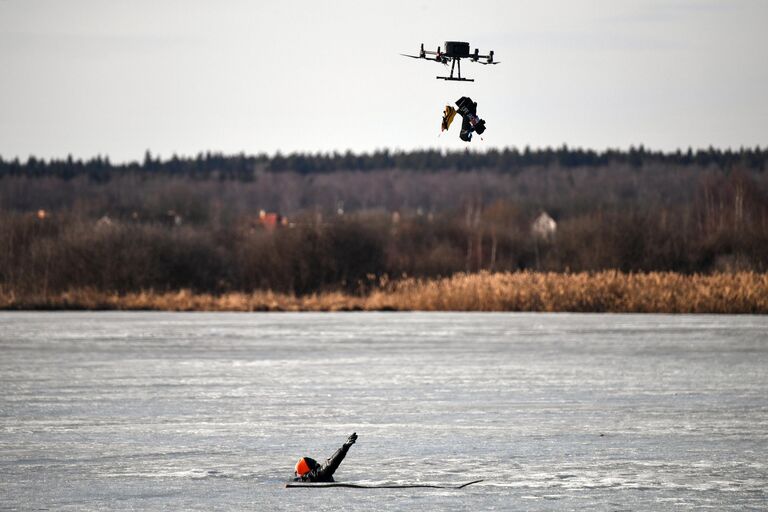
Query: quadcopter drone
[454, 51]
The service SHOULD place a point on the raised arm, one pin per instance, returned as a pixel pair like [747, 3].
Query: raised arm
[329, 467]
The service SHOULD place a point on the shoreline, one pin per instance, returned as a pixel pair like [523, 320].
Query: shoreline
[599, 292]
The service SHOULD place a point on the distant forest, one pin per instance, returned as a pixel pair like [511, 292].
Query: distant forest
[242, 167]
[304, 223]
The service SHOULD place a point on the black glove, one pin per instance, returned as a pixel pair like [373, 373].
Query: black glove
[351, 440]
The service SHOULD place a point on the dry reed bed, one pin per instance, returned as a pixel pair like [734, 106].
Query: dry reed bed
[616, 292]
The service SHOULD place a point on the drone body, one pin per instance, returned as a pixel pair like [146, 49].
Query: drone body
[454, 52]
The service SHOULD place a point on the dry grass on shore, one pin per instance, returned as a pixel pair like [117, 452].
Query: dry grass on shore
[615, 292]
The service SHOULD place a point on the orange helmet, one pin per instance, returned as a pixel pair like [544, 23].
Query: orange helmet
[305, 465]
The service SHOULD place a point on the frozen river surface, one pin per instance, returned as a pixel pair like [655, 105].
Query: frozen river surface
[203, 411]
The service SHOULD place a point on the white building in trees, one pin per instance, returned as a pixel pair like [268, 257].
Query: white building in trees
[544, 227]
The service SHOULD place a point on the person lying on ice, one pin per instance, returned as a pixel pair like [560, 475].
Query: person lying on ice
[308, 470]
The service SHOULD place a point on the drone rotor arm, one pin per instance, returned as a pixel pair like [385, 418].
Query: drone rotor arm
[441, 60]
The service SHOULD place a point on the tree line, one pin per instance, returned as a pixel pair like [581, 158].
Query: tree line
[244, 167]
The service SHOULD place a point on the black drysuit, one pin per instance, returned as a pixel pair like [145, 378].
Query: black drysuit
[324, 472]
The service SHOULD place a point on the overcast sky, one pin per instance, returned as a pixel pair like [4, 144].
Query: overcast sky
[116, 78]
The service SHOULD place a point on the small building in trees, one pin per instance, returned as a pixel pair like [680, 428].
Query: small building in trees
[104, 222]
[173, 218]
[544, 227]
[270, 220]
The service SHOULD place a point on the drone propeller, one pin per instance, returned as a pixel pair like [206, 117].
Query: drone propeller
[486, 63]
[439, 60]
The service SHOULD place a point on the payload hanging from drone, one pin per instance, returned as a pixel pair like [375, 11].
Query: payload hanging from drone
[470, 122]
[454, 52]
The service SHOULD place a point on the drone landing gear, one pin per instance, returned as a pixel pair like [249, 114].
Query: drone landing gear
[455, 79]
[458, 78]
